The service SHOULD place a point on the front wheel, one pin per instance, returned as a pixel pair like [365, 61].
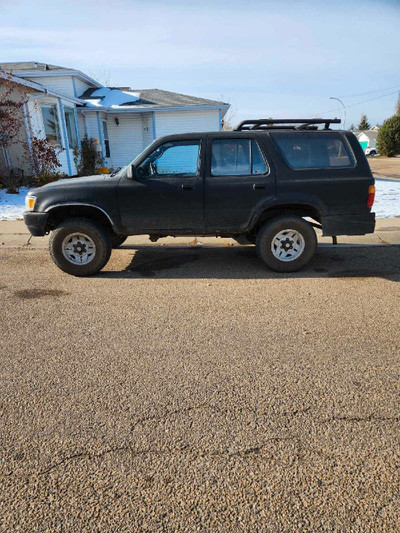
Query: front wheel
[80, 247]
[286, 243]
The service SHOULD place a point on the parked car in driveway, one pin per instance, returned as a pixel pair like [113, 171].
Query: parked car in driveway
[370, 152]
[269, 182]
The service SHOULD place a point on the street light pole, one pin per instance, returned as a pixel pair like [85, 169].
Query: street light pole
[344, 110]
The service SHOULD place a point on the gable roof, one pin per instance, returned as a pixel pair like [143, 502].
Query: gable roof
[116, 98]
[21, 66]
[371, 134]
[34, 69]
[36, 87]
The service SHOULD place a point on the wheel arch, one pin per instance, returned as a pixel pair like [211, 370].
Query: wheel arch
[297, 209]
[59, 212]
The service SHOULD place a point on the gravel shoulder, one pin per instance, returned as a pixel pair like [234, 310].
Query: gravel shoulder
[190, 389]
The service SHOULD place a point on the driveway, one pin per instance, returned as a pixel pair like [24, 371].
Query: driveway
[189, 389]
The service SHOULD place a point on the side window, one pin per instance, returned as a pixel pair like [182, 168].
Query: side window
[314, 150]
[180, 158]
[236, 157]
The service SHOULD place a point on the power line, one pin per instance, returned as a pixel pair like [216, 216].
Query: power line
[370, 92]
[358, 103]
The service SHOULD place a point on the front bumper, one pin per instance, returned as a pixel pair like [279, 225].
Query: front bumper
[36, 223]
[357, 224]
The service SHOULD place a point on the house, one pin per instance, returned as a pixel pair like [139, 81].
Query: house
[45, 113]
[367, 138]
[65, 105]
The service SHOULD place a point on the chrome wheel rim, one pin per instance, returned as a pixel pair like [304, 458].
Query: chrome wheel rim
[288, 245]
[78, 249]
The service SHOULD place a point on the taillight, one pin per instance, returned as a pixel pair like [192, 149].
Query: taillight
[371, 195]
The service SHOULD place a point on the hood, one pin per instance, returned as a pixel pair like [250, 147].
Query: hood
[73, 182]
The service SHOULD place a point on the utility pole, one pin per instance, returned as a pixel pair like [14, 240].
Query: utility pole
[344, 110]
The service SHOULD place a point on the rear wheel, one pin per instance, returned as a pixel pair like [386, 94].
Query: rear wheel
[80, 247]
[286, 243]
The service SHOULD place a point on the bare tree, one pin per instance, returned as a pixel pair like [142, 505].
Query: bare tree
[102, 76]
[228, 120]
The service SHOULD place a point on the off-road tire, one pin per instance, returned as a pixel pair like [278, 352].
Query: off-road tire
[117, 240]
[272, 228]
[96, 233]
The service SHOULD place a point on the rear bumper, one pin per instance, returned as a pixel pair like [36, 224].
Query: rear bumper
[358, 224]
[36, 223]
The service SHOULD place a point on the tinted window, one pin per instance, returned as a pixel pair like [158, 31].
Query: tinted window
[314, 150]
[236, 157]
[176, 158]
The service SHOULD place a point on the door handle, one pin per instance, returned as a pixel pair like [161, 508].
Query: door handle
[258, 186]
[187, 187]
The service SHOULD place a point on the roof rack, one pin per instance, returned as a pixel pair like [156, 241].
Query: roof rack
[287, 123]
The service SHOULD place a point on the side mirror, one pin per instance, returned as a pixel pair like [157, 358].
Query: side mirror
[130, 173]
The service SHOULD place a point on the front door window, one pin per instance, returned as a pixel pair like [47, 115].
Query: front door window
[179, 158]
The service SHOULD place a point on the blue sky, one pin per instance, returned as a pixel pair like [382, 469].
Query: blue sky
[281, 58]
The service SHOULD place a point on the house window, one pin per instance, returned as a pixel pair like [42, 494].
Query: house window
[106, 139]
[71, 128]
[51, 124]
[236, 157]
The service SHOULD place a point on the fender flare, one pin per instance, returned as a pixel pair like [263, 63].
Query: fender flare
[82, 204]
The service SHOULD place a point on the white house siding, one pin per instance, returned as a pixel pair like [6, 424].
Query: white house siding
[126, 138]
[92, 128]
[148, 133]
[89, 127]
[59, 84]
[365, 138]
[169, 122]
[81, 87]
[81, 124]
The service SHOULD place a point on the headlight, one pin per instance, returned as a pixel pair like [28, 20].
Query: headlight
[30, 202]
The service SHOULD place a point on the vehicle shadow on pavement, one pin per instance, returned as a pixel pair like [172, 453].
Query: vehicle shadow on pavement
[235, 262]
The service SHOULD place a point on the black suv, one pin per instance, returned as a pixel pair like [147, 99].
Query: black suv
[267, 183]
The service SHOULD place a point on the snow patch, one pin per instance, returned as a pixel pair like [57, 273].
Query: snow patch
[387, 199]
[12, 206]
[111, 98]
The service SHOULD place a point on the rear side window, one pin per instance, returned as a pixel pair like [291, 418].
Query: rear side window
[314, 150]
[236, 157]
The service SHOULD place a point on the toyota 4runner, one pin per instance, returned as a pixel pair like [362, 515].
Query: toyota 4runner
[268, 183]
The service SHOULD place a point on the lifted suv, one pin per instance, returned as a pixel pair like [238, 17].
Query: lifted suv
[267, 183]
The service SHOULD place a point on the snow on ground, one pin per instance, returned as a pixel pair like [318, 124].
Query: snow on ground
[12, 206]
[387, 201]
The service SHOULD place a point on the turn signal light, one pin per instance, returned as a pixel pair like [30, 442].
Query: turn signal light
[371, 195]
[30, 202]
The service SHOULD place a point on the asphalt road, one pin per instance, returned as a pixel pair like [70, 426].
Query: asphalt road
[189, 389]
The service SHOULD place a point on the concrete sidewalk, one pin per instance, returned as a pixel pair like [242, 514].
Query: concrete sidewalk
[14, 234]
